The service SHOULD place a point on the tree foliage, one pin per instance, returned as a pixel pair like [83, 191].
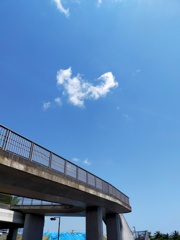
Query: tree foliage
[161, 236]
[8, 199]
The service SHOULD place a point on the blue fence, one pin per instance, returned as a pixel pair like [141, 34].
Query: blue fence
[65, 236]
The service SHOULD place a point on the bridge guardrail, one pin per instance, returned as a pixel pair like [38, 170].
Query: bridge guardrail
[141, 235]
[19, 145]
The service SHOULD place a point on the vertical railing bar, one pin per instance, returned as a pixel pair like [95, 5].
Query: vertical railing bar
[50, 160]
[95, 183]
[31, 151]
[77, 173]
[6, 139]
[65, 167]
[87, 178]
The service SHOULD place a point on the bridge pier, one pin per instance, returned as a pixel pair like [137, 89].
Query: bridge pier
[94, 227]
[114, 227]
[33, 227]
[12, 235]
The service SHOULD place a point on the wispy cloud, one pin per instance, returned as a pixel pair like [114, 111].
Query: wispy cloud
[127, 117]
[58, 101]
[61, 8]
[46, 105]
[52, 104]
[136, 72]
[99, 2]
[78, 90]
[87, 162]
[76, 159]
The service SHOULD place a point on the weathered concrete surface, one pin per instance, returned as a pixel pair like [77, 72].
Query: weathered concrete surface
[126, 232]
[11, 216]
[12, 235]
[69, 211]
[114, 226]
[94, 227]
[33, 227]
[21, 177]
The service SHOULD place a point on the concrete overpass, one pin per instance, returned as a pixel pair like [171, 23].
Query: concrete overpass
[29, 170]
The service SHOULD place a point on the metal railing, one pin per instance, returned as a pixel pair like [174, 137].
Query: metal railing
[22, 201]
[141, 235]
[21, 146]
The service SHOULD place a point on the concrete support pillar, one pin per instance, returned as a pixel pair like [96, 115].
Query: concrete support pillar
[33, 227]
[114, 226]
[12, 235]
[94, 227]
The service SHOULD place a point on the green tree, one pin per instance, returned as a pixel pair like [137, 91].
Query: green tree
[158, 235]
[8, 199]
[165, 236]
[175, 235]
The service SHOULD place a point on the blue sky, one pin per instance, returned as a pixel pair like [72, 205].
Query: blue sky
[98, 83]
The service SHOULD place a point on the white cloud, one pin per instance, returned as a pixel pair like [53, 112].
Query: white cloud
[99, 2]
[87, 162]
[78, 89]
[46, 105]
[76, 159]
[61, 8]
[58, 101]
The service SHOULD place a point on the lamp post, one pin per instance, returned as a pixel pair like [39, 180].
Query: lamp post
[134, 232]
[53, 219]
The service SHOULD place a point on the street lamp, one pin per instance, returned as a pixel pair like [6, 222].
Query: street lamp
[134, 232]
[53, 219]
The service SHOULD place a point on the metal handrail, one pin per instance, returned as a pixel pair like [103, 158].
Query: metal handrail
[141, 235]
[11, 141]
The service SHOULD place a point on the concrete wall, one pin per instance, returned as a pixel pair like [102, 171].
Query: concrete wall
[11, 216]
[125, 230]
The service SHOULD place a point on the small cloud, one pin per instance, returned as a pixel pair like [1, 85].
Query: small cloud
[61, 8]
[78, 90]
[87, 162]
[138, 71]
[127, 117]
[58, 101]
[76, 159]
[46, 105]
[99, 2]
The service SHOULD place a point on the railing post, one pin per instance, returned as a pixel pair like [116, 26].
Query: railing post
[50, 159]
[77, 172]
[86, 177]
[95, 182]
[6, 140]
[31, 151]
[65, 167]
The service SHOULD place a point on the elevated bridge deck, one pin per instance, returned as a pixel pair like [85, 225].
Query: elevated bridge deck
[29, 170]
